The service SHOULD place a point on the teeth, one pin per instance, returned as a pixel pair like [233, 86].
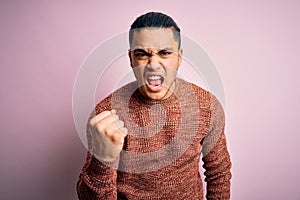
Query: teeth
[153, 78]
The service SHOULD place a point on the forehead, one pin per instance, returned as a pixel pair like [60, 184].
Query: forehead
[155, 38]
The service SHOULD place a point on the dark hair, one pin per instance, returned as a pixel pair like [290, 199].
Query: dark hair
[155, 20]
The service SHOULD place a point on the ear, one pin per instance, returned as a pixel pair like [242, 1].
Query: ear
[180, 53]
[130, 58]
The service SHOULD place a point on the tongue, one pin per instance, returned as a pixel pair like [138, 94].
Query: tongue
[155, 82]
[155, 85]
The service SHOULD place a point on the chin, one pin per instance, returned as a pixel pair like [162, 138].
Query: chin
[163, 94]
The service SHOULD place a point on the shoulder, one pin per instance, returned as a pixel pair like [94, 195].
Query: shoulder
[118, 96]
[204, 97]
[207, 100]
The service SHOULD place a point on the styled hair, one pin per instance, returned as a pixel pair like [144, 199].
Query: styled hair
[155, 20]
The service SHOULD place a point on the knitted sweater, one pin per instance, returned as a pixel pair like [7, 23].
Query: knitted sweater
[160, 156]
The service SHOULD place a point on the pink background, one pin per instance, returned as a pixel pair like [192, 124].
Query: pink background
[254, 44]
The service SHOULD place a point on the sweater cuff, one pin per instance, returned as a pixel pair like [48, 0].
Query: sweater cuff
[98, 167]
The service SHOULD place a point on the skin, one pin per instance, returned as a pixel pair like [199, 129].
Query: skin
[153, 53]
[108, 134]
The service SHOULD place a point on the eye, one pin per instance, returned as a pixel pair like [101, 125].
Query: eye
[141, 55]
[164, 53]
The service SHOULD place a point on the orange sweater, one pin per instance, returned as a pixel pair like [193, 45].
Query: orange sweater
[160, 157]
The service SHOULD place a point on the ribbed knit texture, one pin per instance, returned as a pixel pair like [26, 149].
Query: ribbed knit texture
[160, 157]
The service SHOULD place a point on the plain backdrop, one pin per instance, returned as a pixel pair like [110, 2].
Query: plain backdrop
[255, 46]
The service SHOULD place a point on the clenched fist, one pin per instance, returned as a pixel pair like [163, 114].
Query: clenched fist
[108, 134]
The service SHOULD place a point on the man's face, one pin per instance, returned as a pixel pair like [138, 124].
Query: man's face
[155, 58]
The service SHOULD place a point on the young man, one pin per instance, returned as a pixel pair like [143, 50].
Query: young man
[145, 139]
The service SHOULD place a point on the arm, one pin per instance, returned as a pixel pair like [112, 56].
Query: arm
[105, 134]
[97, 180]
[216, 157]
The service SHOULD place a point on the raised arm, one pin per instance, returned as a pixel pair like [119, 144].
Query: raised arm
[105, 134]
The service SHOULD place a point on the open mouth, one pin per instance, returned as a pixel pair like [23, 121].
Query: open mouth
[154, 82]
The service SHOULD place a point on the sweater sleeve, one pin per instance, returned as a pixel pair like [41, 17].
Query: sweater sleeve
[98, 178]
[216, 157]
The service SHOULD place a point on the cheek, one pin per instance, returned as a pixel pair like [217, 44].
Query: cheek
[171, 65]
[138, 71]
[137, 63]
[134, 63]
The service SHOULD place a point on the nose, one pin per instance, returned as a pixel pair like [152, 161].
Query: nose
[153, 63]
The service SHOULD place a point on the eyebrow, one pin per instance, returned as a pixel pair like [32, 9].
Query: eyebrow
[142, 51]
[146, 52]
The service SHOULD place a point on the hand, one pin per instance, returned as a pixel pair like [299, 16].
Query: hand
[108, 134]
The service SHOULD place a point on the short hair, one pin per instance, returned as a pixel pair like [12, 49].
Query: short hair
[155, 20]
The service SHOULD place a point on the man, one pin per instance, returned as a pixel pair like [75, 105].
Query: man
[145, 139]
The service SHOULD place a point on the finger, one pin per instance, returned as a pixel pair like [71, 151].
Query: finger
[119, 123]
[118, 137]
[111, 128]
[113, 111]
[101, 116]
[124, 131]
[120, 134]
[109, 121]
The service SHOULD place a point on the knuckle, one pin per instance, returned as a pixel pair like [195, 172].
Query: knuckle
[120, 123]
[100, 127]
[117, 138]
[115, 117]
[110, 131]
[125, 130]
[92, 122]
